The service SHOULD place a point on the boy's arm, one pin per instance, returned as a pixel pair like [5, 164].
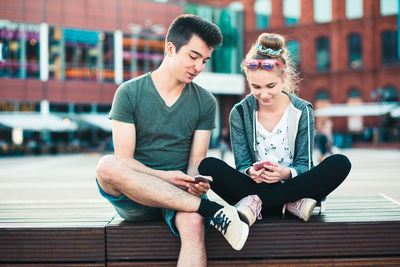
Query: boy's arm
[198, 152]
[124, 139]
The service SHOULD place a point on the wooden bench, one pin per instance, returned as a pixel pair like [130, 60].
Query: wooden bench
[63, 232]
[360, 230]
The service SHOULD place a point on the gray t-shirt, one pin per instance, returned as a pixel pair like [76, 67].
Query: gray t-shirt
[163, 134]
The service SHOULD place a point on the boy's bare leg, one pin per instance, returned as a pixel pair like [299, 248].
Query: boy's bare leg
[191, 230]
[115, 178]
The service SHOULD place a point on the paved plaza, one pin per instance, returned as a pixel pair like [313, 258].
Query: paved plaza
[72, 177]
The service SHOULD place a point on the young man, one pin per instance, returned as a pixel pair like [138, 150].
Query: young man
[161, 125]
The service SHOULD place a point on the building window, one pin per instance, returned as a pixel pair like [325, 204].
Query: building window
[354, 9]
[32, 48]
[19, 50]
[56, 70]
[10, 35]
[389, 7]
[354, 93]
[107, 41]
[8, 106]
[322, 95]
[19, 106]
[226, 57]
[294, 50]
[82, 108]
[262, 10]
[141, 54]
[322, 54]
[81, 54]
[389, 48]
[322, 11]
[129, 57]
[292, 11]
[59, 107]
[102, 108]
[389, 94]
[354, 51]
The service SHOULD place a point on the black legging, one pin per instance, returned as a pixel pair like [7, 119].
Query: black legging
[316, 183]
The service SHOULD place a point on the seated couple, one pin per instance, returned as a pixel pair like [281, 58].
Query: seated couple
[161, 126]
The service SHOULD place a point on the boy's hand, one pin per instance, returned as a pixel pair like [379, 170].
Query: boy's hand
[198, 189]
[177, 178]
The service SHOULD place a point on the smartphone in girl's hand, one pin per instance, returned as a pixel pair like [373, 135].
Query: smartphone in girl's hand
[259, 165]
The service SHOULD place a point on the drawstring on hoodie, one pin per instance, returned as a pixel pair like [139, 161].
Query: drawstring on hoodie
[254, 133]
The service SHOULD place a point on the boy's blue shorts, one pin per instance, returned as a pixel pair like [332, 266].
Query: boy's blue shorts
[131, 211]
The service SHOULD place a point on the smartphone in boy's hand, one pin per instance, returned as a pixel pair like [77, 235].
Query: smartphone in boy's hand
[259, 165]
[203, 178]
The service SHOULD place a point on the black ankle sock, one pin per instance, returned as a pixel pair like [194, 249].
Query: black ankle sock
[208, 208]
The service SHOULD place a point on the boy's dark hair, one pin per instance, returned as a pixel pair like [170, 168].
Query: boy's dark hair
[184, 26]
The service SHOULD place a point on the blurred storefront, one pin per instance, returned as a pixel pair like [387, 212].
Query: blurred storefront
[74, 54]
[66, 59]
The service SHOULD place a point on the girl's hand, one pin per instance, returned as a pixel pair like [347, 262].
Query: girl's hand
[275, 173]
[256, 175]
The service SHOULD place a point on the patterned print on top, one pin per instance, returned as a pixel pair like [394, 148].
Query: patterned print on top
[274, 145]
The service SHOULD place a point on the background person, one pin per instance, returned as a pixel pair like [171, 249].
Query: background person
[325, 140]
[224, 142]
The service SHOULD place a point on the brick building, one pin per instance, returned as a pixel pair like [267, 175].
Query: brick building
[347, 51]
[67, 58]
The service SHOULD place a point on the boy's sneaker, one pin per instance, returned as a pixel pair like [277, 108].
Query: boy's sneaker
[249, 209]
[227, 221]
[302, 208]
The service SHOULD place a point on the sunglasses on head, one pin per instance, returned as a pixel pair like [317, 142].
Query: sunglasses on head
[266, 64]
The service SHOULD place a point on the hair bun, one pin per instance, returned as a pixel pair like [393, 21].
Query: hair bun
[270, 40]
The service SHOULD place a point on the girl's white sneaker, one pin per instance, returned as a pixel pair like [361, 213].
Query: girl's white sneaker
[249, 209]
[302, 208]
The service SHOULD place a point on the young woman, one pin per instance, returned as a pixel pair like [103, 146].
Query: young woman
[272, 133]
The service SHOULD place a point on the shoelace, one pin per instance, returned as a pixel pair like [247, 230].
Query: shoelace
[296, 205]
[255, 207]
[222, 222]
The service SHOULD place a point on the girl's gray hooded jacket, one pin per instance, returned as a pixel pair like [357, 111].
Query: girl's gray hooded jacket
[300, 132]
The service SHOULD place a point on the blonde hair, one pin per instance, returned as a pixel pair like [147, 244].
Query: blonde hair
[273, 46]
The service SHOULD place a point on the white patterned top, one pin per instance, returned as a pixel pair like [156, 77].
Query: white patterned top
[274, 146]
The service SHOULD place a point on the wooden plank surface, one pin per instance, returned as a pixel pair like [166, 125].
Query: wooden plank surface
[355, 226]
[351, 226]
[64, 232]
[53, 265]
[342, 262]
